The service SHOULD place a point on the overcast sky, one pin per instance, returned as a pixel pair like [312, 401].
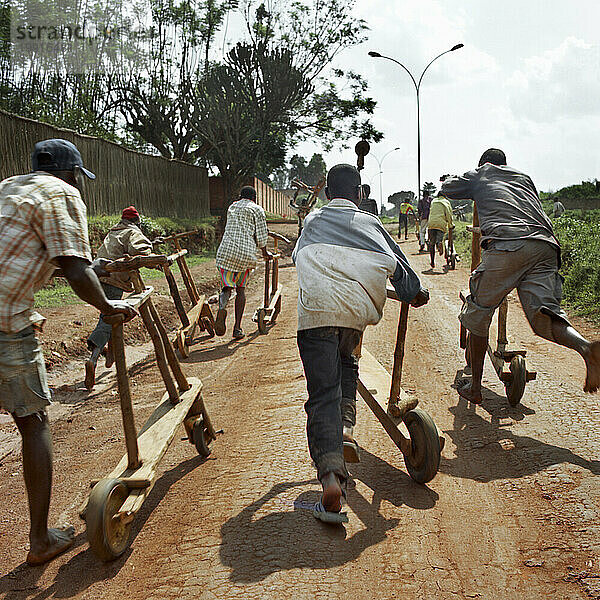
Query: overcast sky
[527, 81]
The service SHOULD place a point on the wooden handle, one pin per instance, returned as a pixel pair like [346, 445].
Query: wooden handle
[280, 237]
[391, 293]
[173, 257]
[137, 262]
[177, 236]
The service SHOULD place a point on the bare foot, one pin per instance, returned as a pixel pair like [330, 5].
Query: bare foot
[467, 393]
[592, 362]
[58, 541]
[332, 493]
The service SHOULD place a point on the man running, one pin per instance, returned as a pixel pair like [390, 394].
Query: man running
[125, 238]
[520, 251]
[423, 207]
[405, 208]
[344, 258]
[367, 204]
[439, 223]
[43, 226]
[245, 232]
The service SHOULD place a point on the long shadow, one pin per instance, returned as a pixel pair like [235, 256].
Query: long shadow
[84, 569]
[279, 541]
[486, 451]
[222, 351]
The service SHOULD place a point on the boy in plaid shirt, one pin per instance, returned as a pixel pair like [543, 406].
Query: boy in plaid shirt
[245, 232]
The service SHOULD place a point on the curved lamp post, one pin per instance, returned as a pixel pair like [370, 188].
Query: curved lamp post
[417, 88]
[380, 162]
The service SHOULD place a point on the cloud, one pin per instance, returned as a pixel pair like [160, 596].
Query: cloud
[560, 83]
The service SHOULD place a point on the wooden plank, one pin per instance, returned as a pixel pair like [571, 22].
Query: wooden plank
[194, 314]
[373, 385]
[179, 254]
[153, 441]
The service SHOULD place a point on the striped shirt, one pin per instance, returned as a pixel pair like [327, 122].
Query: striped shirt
[41, 218]
[245, 232]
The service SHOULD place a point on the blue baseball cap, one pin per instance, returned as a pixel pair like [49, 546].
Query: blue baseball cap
[57, 155]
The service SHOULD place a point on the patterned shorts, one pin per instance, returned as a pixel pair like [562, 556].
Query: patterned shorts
[234, 278]
[23, 386]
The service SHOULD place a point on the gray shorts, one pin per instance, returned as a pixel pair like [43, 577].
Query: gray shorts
[435, 236]
[23, 385]
[533, 271]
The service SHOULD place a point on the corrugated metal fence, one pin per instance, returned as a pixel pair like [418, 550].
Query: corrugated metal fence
[158, 187]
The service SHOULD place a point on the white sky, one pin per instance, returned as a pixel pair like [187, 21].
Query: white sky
[527, 81]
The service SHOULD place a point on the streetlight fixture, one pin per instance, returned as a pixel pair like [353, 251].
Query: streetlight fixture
[374, 54]
[379, 162]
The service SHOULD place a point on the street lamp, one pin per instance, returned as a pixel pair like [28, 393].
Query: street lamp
[379, 162]
[417, 88]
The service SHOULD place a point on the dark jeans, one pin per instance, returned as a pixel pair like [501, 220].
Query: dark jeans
[403, 221]
[100, 336]
[331, 373]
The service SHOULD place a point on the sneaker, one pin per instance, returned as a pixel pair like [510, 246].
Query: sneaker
[220, 325]
[238, 334]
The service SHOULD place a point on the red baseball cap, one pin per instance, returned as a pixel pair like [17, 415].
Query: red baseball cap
[130, 213]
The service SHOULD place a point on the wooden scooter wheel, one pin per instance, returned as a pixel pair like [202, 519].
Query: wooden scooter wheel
[108, 537]
[276, 309]
[261, 321]
[424, 460]
[200, 437]
[515, 388]
[208, 326]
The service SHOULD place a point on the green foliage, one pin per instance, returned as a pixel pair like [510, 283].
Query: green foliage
[579, 236]
[580, 241]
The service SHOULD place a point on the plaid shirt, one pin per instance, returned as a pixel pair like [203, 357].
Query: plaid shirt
[41, 218]
[245, 232]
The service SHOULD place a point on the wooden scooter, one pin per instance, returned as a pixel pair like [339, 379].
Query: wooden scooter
[199, 318]
[517, 376]
[304, 207]
[421, 444]
[266, 315]
[117, 498]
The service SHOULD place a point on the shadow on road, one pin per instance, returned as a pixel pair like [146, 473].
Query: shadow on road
[280, 541]
[84, 569]
[221, 351]
[486, 450]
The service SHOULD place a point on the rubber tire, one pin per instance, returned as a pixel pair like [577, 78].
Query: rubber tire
[106, 540]
[260, 321]
[199, 438]
[516, 387]
[424, 462]
[276, 310]
[208, 327]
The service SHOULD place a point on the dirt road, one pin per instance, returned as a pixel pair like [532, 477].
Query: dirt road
[513, 513]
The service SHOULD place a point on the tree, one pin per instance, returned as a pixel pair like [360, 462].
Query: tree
[429, 188]
[398, 198]
[270, 92]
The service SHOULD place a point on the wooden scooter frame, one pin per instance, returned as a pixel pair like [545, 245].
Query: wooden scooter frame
[266, 315]
[516, 376]
[199, 317]
[422, 444]
[115, 499]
